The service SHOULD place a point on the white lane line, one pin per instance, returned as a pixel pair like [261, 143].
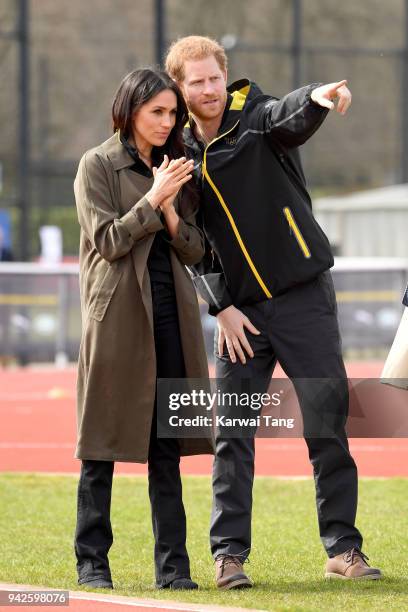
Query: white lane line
[158, 604]
[38, 396]
[135, 604]
[34, 445]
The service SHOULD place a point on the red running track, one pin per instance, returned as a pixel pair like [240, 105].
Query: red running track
[37, 416]
[88, 602]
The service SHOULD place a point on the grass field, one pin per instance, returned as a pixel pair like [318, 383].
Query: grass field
[38, 519]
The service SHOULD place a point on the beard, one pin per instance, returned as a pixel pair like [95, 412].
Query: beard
[208, 111]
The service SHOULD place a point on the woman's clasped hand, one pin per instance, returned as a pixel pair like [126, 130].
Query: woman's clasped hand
[169, 177]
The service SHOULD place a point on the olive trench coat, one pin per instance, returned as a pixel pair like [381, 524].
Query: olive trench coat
[117, 366]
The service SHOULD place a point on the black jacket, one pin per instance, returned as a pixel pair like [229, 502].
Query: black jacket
[256, 211]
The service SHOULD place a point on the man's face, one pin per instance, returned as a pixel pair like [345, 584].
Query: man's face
[204, 88]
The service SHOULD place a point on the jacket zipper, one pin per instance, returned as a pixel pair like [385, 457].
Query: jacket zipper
[297, 233]
[228, 213]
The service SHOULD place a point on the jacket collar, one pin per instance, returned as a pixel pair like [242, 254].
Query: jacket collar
[238, 93]
[117, 153]
[123, 155]
[237, 97]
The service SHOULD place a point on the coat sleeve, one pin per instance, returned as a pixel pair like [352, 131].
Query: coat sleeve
[113, 236]
[291, 120]
[189, 242]
[209, 280]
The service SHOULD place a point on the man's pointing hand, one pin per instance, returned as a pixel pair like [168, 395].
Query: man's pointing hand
[325, 94]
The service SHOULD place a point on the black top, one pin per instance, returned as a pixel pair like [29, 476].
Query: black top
[158, 262]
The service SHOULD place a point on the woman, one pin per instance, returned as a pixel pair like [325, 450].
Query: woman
[395, 370]
[136, 209]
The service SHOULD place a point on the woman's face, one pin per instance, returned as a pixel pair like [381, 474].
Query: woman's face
[155, 119]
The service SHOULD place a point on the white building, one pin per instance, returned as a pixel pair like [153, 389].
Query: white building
[368, 223]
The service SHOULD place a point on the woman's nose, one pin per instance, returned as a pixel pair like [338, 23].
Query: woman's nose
[167, 121]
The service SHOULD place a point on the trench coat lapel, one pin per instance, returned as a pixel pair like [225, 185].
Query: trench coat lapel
[140, 263]
[132, 187]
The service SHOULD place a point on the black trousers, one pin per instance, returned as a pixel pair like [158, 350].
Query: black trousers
[93, 537]
[299, 329]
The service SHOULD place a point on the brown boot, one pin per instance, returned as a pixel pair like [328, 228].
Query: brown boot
[351, 565]
[229, 573]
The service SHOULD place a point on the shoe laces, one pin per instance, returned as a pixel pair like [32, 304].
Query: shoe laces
[350, 555]
[237, 559]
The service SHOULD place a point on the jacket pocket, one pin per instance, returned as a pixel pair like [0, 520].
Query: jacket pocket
[294, 229]
[106, 290]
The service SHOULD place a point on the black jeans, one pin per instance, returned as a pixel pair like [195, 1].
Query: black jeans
[93, 537]
[299, 329]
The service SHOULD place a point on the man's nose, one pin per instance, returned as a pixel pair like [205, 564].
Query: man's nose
[208, 88]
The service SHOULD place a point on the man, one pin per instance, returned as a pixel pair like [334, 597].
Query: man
[266, 278]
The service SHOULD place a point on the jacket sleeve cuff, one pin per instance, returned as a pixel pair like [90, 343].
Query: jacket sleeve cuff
[213, 290]
[142, 219]
[312, 103]
[214, 310]
[181, 241]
